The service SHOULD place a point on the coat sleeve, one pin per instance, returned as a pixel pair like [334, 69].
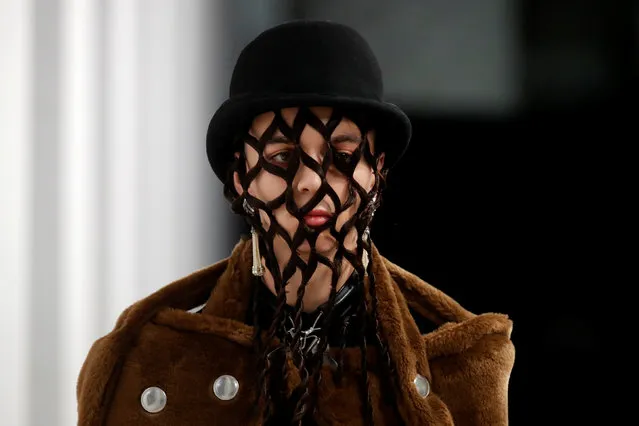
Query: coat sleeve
[474, 383]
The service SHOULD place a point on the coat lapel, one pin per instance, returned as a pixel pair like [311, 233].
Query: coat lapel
[406, 347]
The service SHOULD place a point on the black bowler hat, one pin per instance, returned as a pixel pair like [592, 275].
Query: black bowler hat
[312, 63]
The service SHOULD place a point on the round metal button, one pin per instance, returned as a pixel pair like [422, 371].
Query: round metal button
[422, 385]
[226, 387]
[153, 399]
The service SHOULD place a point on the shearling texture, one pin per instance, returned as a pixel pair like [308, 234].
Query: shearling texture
[157, 342]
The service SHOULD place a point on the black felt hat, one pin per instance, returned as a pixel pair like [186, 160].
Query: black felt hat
[312, 63]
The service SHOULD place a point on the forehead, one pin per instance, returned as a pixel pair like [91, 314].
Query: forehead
[262, 121]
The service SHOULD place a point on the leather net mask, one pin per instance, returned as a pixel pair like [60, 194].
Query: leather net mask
[289, 329]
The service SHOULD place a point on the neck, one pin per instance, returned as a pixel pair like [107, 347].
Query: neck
[317, 290]
[339, 327]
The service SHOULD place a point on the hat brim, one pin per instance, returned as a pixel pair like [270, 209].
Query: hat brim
[392, 126]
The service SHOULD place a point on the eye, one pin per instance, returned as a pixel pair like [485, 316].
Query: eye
[280, 157]
[343, 156]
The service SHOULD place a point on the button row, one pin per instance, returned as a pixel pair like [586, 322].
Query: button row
[226, 387]
[154, 399]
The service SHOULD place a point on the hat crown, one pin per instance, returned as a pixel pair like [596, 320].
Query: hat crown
[300, 57]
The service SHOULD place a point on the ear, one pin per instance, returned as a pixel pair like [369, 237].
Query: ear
[236, 179]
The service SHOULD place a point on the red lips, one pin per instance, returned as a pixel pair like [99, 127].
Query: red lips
[317, 217]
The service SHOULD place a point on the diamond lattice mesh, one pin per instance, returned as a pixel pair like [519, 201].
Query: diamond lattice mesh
[357, 205]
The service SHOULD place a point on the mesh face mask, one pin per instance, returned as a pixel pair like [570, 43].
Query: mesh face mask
[343, 164]
[293, 343]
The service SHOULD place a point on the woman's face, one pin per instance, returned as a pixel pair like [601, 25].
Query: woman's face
[266, 186]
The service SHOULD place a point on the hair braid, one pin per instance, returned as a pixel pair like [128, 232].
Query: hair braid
[364, 384]
[309, 399]
[271, 358]
[339, 371]
[300, 360]
[258, 343]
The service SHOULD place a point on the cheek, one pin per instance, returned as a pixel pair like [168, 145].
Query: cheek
[286, 221]
[267, 186]
[364, 176]
[339, 184]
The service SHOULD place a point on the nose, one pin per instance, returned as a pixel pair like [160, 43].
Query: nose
[306, 180]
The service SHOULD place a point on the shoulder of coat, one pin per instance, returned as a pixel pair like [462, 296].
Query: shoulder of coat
[454, 328]
[494, 329]
[103, 363]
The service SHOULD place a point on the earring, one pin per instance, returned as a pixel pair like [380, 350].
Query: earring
[247, 207]
[372, 205]
[257, 268]
[365, 258]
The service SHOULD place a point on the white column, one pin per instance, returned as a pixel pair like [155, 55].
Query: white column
[15, 201]
[201, 209]
[158, 144]
[179, 199]
[105, 190]
[159, 82]
[122, 136]
[80, 230]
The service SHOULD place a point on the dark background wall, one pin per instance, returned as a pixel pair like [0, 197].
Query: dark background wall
[511, 198]
[518, 213]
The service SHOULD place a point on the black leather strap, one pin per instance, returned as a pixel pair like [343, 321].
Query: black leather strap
[344, 310]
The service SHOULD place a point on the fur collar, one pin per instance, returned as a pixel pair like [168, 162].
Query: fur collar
[397, 289]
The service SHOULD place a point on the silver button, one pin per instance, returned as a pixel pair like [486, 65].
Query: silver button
[422, 385]
[226, 387]
[153, 400]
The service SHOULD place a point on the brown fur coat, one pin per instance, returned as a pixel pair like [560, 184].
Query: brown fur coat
[157, 342]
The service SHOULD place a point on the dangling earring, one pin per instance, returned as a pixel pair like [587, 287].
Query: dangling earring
[365, 259]
[373, 206]
[257, 268]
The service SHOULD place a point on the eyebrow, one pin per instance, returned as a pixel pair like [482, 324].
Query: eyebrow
[279, 139]
[336, 139]
[346, 138]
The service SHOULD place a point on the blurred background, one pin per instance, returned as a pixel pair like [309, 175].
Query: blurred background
[509, 201]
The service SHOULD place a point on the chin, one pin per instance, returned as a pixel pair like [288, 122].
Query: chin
[324, 245]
